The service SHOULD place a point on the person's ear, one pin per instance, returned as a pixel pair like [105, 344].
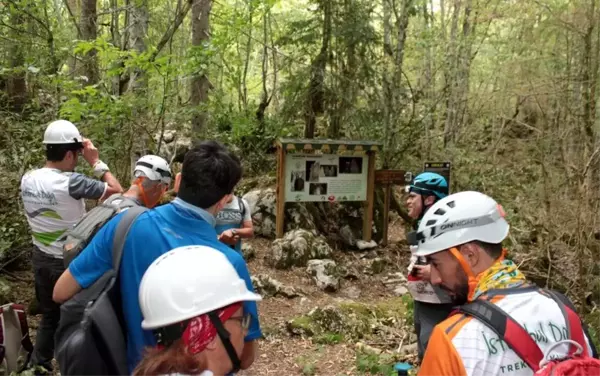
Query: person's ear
[429, 200]
[471, 254]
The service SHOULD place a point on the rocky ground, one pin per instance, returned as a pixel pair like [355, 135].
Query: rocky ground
[360, 326]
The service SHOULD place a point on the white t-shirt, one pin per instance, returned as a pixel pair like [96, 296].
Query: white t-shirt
[53, 203]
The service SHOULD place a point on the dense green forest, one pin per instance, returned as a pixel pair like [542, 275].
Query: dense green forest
[507, 90]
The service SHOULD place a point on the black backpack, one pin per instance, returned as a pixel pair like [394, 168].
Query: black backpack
[78, 237]
[91, 336]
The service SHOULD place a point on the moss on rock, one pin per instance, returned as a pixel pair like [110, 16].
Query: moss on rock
[351, 320]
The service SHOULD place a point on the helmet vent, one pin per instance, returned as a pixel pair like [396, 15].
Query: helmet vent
[431, 222]
[440, 211]
[451, 204]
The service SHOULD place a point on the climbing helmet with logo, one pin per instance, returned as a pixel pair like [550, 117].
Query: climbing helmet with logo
[458, 219]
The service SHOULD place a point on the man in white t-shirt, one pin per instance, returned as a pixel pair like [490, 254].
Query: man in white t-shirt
[53, 200]
[234, 222]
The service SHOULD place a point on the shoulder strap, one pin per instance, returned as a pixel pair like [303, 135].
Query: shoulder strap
[242, 207]
[507, 329]
[121, 233]
[574, 327]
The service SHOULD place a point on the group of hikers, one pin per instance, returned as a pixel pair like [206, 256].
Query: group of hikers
[185, 300]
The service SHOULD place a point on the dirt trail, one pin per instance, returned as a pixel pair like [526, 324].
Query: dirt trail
[282, 354]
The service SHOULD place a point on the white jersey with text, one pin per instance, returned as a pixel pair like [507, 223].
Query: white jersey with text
[464, 346]
[53, 203]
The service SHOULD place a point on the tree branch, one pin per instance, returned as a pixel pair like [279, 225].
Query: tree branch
[72, 18]
[171, 31]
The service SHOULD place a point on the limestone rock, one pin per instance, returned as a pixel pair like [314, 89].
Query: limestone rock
[248, 251]
[262, 203]
[267, 286]
[296, 248]
[325, 273]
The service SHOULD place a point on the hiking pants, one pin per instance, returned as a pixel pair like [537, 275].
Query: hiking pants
[426, 317]
[46, 271]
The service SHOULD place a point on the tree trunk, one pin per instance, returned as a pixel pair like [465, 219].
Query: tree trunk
[247, 57]
[265, 99]
[16, 84]
[387, 95]
[316, 87]
[138, 30]
[451, 78]
[200, 84]
[88, 32]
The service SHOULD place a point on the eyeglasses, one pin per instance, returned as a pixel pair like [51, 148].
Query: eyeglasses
[244, 320]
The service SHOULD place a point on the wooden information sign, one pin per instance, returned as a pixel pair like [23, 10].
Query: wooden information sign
[397, 177]
[310, 170]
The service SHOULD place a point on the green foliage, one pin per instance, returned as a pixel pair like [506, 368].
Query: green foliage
[375, 364]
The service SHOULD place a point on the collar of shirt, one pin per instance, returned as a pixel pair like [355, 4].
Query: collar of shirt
[196, 210]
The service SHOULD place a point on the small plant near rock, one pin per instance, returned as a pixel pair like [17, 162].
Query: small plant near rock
[374, 364]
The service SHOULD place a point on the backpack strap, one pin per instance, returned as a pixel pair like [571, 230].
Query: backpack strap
[242, 208]
[507, 329]
[121, 232]
[574, 327]
[26, 340]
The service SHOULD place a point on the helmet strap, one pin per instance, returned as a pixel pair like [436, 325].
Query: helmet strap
[225, 335]
[467, 269]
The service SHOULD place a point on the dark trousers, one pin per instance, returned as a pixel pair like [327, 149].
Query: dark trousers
[426, 317]
[46, 271]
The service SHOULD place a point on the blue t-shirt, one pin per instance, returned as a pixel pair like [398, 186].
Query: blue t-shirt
[154, 233]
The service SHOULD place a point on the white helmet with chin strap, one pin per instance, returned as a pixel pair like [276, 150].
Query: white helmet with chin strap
[187, 282]
[62, 132]
[458, 219]
[154, 168]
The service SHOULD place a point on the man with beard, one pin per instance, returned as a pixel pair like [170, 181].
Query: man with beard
[432, 305]
[461, 236]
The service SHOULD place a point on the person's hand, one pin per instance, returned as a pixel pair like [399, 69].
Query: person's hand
[423, 272]
[227, 237]
[90, 153]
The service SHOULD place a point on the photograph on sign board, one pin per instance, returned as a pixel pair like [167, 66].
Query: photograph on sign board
[313, 171]
[317, 189]
[304, 174]
[350, 165]
[297, 181]
[329, 171]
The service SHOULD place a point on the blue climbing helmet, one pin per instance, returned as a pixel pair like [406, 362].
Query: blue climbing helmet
[429, 184]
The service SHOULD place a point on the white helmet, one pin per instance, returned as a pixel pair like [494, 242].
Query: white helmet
[187, 282]
[62, 132]
[458, 219]
[154, 168]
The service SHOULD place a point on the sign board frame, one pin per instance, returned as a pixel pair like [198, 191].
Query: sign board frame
[442, 168]
[289, 146]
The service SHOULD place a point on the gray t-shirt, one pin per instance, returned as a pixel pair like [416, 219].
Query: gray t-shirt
[235, 213]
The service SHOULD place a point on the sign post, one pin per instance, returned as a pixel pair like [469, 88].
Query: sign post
[310, 170]
[388, 178]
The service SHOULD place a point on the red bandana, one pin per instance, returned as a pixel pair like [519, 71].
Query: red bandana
[200, 331]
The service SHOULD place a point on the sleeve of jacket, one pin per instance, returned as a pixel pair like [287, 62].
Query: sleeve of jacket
[441, 357]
